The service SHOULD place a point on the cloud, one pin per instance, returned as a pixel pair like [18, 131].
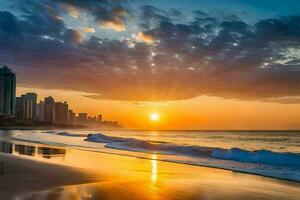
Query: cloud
[115, 21]
[151, 16]
[144, 38]
[71, 36]
[206, 55]
[108, 14]
[72, 11]
[89, 30]
[114, 25]
[284, 100]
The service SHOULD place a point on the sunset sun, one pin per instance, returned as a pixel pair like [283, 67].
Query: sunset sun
[154, 117]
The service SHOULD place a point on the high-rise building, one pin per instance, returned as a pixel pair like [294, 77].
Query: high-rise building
[49, 110]
[40, 111]
[31, 99]
[71, 117]
[61, 113]
[92, 120]
[82, 118]
[100, 118]
[19, 108]
[7, 91]
[26, 106]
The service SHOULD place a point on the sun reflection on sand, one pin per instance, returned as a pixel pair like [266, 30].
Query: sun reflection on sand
[131, 178]
[154, 168]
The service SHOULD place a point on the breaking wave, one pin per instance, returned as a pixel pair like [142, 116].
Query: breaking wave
[64, 133]
[235, 154]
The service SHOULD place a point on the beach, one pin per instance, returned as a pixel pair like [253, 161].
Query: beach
[81, 174]
[23, 175]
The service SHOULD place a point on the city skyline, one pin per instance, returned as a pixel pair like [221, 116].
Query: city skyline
[55, 112]
[27, 108]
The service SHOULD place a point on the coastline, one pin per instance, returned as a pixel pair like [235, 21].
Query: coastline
[50, 127]
[55, 127]
[170, 159]
[94, 171]
[22, 175]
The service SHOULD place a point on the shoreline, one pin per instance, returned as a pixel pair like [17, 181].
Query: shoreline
[74, 127]
[100, 168]
[191, 164]
[22, 175]
[158, 159]
[51, 127]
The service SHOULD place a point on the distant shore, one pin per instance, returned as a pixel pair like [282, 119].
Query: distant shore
[43, 127]
[59, 127]
[12, 125]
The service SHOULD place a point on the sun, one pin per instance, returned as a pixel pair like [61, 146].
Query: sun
[154, 117]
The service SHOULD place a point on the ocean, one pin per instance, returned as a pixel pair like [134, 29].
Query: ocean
[267, 153]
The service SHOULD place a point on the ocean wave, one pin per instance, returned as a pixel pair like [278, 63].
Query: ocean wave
[250, 139]
[235, 154]
[259, 157]
[64, 133]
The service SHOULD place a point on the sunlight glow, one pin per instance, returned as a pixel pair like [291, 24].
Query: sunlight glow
[154, 168]
[154, 117]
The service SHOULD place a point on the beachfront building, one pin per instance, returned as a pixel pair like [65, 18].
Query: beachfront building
[7, 92]
[49, 110]
[19, 109]
[40, 111]
[82, 118]
[26, 107]
[71, 117]
[100, 118]
[61, 113]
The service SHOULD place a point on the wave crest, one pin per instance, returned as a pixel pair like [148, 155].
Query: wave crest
[64, 133]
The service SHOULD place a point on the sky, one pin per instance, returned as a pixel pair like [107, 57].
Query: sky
[199, 64]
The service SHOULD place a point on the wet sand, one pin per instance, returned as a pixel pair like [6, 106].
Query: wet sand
[90, 175]
[20, 175]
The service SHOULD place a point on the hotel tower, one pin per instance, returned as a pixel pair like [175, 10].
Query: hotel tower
[7, 91]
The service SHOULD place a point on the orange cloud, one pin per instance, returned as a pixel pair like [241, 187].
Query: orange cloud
[141, 36]
[89, 30]
[72, 11]
[116, 21]
[114, 25]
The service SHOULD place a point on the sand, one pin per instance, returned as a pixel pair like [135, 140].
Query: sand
[19, 175]
[89, 175]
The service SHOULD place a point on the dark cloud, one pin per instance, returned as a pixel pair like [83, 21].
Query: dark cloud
[151, 16]
[209, 55]
[108, 13]
[71, 35]
[8, 23]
